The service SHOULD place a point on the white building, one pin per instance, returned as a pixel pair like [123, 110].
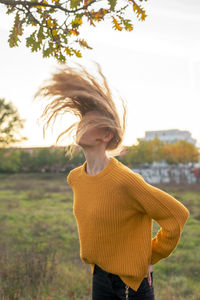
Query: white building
[169, 136]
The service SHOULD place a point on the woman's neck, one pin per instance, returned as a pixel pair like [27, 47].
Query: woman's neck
[96, 164]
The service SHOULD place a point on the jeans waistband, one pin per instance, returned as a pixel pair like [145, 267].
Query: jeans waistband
[97, 267]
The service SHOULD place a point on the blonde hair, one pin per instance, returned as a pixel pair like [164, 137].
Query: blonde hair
[78, 92]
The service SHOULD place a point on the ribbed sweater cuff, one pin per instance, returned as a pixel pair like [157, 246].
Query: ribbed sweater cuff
[155, 258]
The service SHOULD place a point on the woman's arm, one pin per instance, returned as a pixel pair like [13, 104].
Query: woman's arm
[168, 212]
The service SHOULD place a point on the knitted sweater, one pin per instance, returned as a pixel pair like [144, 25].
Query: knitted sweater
[114, 210]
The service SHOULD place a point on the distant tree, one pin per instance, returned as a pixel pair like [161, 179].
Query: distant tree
[156, 150]
[42, 158]
[180, 152]
[9, 160]
[57, 23]
[26, 161]
[10, 124]
[144, 152]
[78, 157]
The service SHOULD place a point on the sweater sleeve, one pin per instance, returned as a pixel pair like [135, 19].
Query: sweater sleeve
[168, 212]
[69, 178]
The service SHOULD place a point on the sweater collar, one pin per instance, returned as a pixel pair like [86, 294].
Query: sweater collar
[93, 177]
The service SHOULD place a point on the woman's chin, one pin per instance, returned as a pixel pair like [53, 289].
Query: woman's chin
[84, 144]
[81, 143]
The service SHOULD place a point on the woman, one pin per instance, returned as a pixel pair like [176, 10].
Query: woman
[113, 206]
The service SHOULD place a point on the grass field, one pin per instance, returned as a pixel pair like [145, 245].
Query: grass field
[39, 249]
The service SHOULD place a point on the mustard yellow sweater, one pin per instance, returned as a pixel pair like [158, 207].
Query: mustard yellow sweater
[114, 211]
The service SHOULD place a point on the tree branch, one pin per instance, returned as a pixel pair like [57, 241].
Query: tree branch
[33, 4]
[29, 13]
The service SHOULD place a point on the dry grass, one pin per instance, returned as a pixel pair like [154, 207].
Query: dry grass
[26, 271]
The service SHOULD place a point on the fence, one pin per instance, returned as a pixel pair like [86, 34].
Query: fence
[156, 174]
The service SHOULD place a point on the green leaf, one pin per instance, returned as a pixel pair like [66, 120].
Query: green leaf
[48, 51]
[40, 34]
[13, 39]
[10, 9]
[32, 43]
[63, 36]
[61, 57]
[16, 30]
[74, 3]
[112, 4]
[127, 24]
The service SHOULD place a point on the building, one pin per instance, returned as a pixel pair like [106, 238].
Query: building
[169, 136]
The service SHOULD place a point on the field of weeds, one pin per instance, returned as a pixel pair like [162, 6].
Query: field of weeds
[39, 249]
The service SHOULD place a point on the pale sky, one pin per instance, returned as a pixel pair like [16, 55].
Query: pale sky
[156, 68]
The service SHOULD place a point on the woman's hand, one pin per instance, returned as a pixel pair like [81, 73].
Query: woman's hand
[150, 269]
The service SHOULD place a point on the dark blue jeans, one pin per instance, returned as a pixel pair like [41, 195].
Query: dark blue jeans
[108, 286]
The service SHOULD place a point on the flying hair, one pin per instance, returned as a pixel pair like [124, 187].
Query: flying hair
[77, 92]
